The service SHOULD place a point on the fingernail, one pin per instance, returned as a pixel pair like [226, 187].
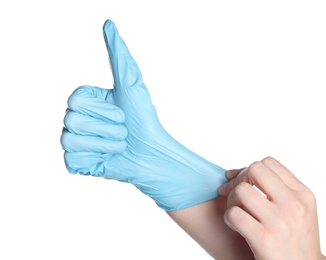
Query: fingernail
[243, 170]
[227, 221]
[230, 174]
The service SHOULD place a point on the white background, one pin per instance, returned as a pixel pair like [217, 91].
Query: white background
[234, 81]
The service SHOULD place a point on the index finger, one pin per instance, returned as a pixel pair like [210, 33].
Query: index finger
[264, 178]
[285, 174]
[124, 68]
[91, 101]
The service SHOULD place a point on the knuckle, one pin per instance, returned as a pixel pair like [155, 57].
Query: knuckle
[254, 169]
[75, 98]
[303, 204]
[269, 160]
[65, 140]
[308, 196]
[254, 166]
[69, 120]
[233, 213]
[241, 188]
[299, 210]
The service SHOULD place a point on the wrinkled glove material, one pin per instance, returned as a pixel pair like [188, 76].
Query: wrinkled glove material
[116, 134]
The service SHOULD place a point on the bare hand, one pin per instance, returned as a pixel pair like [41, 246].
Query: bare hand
[279, 219]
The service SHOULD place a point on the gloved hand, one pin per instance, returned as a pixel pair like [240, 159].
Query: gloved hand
[132, 146]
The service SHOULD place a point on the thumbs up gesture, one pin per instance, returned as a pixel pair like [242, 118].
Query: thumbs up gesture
[116, 134]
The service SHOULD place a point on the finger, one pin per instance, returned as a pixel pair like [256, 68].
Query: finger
[84, 162]
[263, 177]
[231, 174]
[86, 125]
[92, 101]
[284, 173]
[93, 144]
[124, 68]
[234, 179]
[252, 201]
[242, 222]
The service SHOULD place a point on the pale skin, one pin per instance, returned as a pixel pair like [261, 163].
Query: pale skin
[267, 221]
[205, 224]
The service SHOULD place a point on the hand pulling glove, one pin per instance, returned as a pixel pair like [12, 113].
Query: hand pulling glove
[116, 134]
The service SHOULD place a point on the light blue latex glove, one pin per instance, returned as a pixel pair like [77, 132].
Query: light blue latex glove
[132, 146]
